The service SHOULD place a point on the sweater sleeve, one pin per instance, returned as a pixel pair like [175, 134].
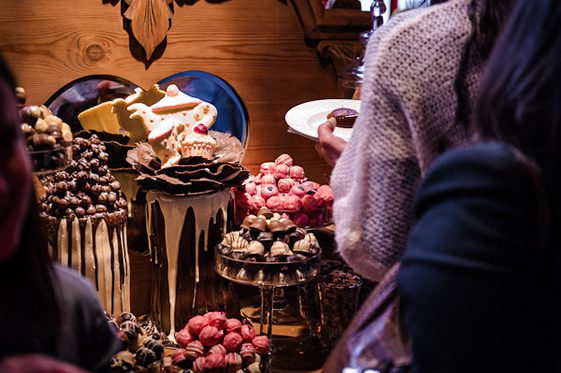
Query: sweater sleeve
[375, 178]
[470, 279]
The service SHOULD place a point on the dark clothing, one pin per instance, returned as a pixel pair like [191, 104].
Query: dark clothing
[476, 284]
[85, 339]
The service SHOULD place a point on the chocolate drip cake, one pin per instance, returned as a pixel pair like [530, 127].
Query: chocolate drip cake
[85, 214]
[187, 172]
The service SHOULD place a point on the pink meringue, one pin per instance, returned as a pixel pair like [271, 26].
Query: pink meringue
[275, 203]
[183, 337]
[250, 187]
[196, 324]
[233, 342]
[309, 202]
[268, 180]
[217, 319]
[292, 203]
[247, 333]
[281, 171]
[310, 185]
[284, 185]
[284, 159]
[218, 349]
[268, 191]
[210, 336]
[233, 325]
[267, 168]
[297, 173]
[194, 350]
[261, 344]
[256, 202]
[214, 363]
[298, 190]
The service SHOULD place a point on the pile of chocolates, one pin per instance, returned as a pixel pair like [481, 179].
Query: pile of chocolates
[86, 187]
[283, 187]
[268, 249]
[214, 343]
[269, 237]
[143, 345]
[48, 137]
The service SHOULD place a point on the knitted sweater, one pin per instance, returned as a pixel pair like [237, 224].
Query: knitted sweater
[408, 108]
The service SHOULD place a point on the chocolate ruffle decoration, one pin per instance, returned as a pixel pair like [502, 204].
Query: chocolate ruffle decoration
[194, 175]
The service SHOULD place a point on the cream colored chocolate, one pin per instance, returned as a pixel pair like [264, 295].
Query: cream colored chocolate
[174, 210]
[187, 110]
[99, 251]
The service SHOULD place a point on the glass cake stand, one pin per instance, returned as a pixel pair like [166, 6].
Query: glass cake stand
[267, 276]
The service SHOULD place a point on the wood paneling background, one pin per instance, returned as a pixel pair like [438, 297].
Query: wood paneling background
[255, 45]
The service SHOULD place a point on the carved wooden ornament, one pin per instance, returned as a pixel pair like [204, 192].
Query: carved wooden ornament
[150, 22]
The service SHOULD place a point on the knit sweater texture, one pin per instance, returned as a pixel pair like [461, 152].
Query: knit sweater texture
[408, 110]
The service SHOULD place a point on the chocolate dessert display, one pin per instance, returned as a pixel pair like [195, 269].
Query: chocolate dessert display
[48, 138]
[283, 187]
[208, 343]
[343, 117]
[85, 214]
[269, 250]
[187, 172]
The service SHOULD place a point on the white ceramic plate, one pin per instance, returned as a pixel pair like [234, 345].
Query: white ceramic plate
[304, 119]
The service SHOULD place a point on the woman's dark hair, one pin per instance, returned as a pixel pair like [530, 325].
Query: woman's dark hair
[28, 276]
[520, 93]
[487, 18]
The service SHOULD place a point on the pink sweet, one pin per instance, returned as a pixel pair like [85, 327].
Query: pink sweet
[326, 193]
[196, 324]
[178, 356]
[233, 362]
[309, 202]
[268, 180]
[297, 173]
[320, 201]
[247, 333]
[248, 353]
[256, 202]
[292, 203]
[210, 336]
[298, 190]
[285, 185]
[284, 159]
[233, 342]
[301, 219]
[214, 363]
[233, 325]
[217, 319]
[310, 185]
[281, 171]
[275, 203]
[218, 349]
[268, 191]
[199, 365]
[261, 344]
[250, 187]
[183, 337]
[194, 350]
[267, 168]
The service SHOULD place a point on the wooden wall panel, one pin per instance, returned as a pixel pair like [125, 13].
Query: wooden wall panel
[255, 45]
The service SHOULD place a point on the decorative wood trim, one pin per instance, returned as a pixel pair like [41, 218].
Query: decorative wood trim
[338, 24]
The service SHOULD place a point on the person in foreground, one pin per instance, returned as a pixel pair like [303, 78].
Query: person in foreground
[45, 308]
[479, 278]
[422, 72]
